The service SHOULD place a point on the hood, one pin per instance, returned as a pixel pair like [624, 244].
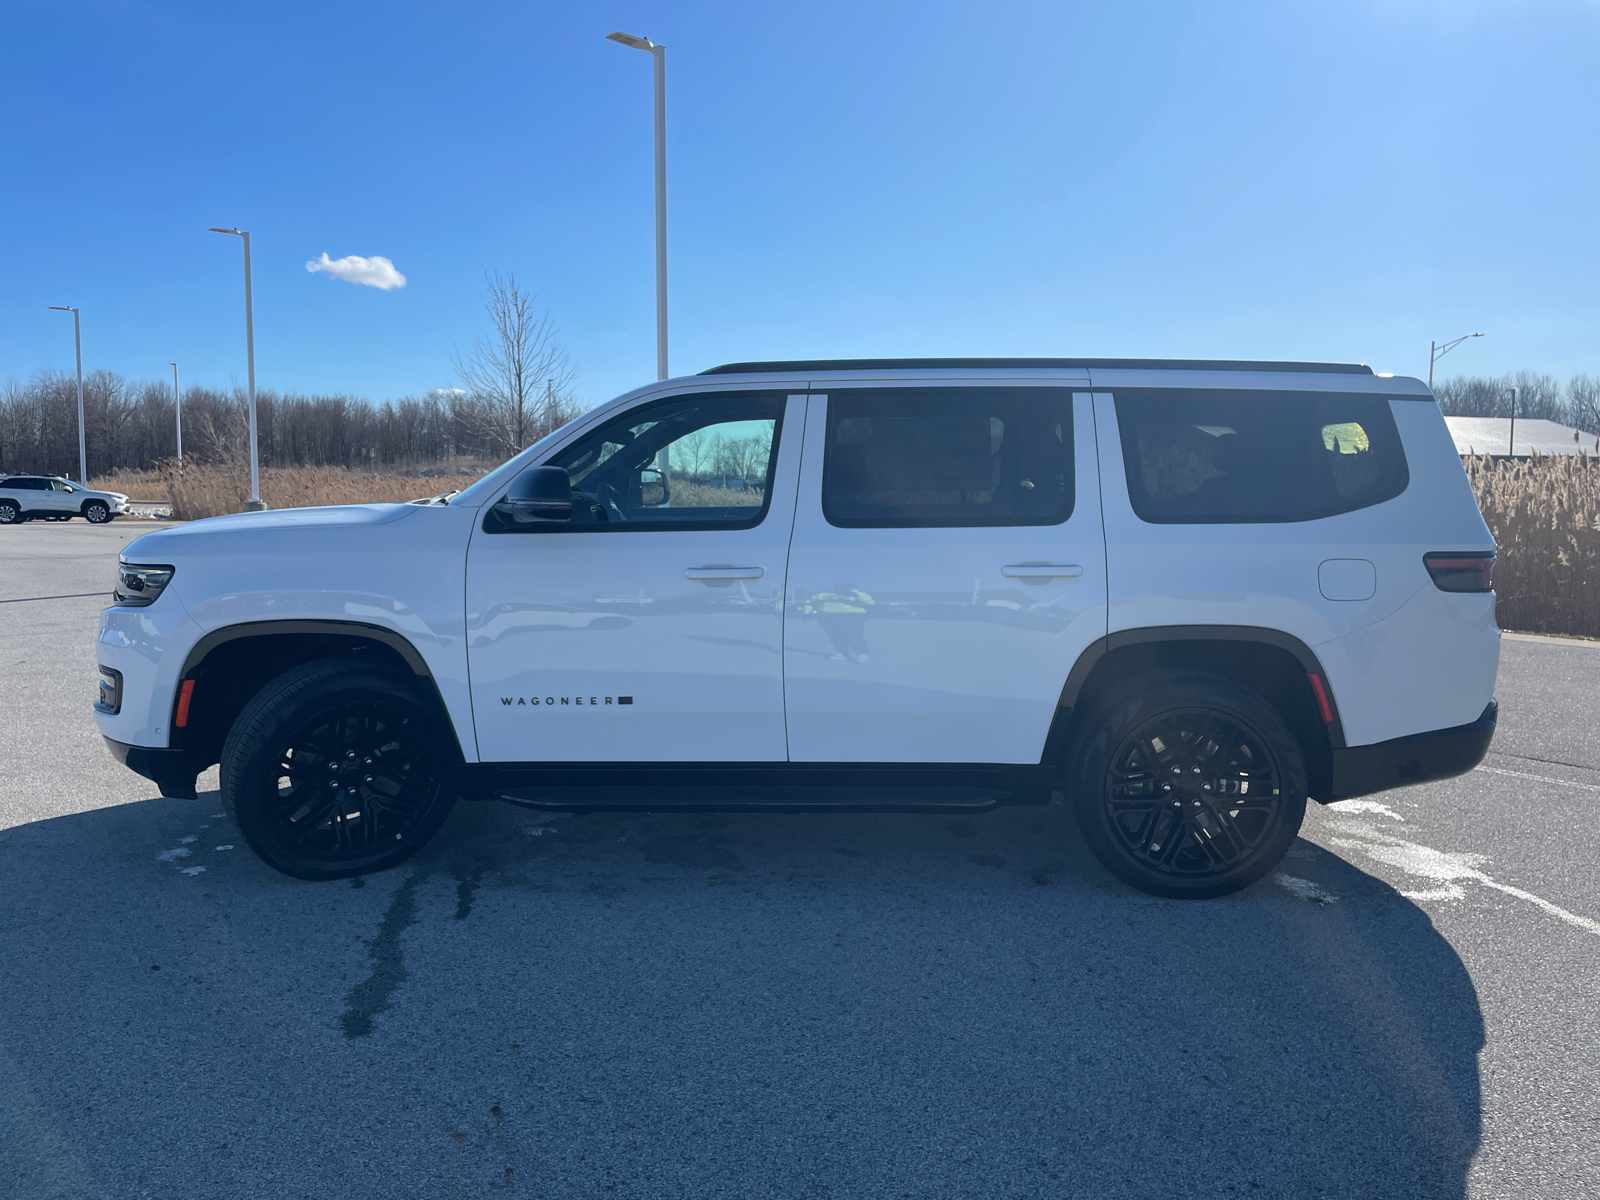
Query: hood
[214, 534]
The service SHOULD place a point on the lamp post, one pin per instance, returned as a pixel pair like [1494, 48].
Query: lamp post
[77, 345]
[177, 407]
[1511, 451]
[1436, 351]
[659, 53]
[254, 504]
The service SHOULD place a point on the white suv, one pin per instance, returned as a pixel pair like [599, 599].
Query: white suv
[55, 498]
[1189, 595]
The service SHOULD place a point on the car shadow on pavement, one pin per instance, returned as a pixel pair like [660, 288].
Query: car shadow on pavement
[707, 1005]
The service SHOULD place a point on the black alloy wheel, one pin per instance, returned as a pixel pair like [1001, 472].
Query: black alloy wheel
[10, 512]
[97, 512]
[1191, 786]
[336, 769]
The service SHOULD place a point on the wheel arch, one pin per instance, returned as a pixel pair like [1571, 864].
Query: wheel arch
[228, 666]
[1275, 665]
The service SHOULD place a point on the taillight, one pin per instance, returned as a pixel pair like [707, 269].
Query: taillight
[1461, 571]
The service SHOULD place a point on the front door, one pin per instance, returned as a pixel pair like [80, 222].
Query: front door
[649, 627]
[57, 497]
[947, 570]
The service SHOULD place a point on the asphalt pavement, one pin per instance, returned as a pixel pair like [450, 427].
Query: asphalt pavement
[764, 1005]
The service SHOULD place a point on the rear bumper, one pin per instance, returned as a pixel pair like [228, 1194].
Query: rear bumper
[167, 769]
[1439, 754]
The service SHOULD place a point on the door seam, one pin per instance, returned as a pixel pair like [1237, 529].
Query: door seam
[783, 593]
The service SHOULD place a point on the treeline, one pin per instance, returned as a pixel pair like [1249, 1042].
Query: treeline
[131, 426]
[1539, 397]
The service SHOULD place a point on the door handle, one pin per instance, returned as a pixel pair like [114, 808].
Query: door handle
[1042, 571]
[724, 573]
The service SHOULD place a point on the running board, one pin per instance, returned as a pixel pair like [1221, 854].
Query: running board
[754, 798]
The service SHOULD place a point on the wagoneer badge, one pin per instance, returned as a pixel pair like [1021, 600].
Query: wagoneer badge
[578, 701]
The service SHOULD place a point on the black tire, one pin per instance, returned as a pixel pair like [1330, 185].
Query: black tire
[337, 768]
[96, 512]
[1153, 762]
[10, 512]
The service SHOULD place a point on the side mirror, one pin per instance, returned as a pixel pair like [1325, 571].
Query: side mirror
[538, 496]
[653, 491]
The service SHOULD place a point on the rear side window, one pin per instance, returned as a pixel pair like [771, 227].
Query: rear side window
[1214, 456]
[900, 457]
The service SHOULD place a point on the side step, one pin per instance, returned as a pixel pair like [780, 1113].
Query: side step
[795, 798]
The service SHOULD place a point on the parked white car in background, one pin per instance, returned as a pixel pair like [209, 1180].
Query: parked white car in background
[1190, 596]
[56, 498]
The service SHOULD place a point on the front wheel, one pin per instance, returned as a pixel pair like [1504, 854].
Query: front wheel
[335, 769]
[1188, 785]
[97, 512]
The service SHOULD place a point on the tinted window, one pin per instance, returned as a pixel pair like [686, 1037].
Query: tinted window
[1234, 456]
[948, 456]
[699, 462]
[26, 485]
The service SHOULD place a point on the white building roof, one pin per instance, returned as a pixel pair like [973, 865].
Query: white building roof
[1492, 435]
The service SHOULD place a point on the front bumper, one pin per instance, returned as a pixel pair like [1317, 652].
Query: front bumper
[1439, 754]
[168, 769]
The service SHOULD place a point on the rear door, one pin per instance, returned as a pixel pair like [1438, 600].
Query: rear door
[1276, 502]
[946, 571]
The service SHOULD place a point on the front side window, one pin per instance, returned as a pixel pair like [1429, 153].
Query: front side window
[902, 457]
[1222, 456]
[697, 462]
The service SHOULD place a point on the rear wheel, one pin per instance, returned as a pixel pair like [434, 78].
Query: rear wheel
[10, 512]
[336, 769]
[97, 512]
[1188, 785]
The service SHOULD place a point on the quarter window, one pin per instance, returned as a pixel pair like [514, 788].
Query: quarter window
[948, 457]
[1223, 456]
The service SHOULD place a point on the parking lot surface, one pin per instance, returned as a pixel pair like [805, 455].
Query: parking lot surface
[765, 1005]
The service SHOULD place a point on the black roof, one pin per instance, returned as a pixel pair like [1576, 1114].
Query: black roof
[807, 366]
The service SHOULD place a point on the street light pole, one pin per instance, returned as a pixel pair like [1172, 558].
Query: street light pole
[177, 404]
[77, 345]
[1436, 351]
[659, 53]
[254, 504]
[1511, 452]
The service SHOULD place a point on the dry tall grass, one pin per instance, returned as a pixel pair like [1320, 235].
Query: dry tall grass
[206, 491]
[1544, 513]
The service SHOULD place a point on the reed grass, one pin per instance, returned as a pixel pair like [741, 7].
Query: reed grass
[200, 490]
[1544, 513]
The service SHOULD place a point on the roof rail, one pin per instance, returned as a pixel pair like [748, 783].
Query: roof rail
[806, 366]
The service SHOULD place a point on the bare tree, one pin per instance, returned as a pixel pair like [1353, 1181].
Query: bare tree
[518, 380]
[1583, 403]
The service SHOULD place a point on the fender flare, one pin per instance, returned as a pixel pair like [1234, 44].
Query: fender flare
[292, 625]
[1261, 635]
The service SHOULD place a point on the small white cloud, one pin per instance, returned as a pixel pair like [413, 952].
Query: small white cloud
[376, 271]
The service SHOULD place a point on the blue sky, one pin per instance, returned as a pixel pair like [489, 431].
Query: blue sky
[1257, 180]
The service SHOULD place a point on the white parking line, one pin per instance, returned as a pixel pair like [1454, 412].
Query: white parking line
[1587, 787]
[1444, 869]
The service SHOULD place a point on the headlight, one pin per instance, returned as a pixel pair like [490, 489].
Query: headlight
[138, 586]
